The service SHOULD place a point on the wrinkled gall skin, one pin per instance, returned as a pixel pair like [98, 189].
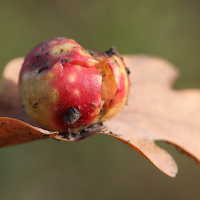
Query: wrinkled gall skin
[65, 88]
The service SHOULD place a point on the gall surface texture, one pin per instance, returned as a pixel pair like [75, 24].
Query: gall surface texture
[65, 88]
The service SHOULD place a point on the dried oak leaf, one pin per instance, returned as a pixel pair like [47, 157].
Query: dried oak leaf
[14, 131]
[154, 112]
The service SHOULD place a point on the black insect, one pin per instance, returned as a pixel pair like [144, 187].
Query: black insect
[72, 116]
[112, 51]
[128, 70]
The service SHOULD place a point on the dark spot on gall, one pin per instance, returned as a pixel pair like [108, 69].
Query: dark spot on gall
[38, 56]
[35, 105]
[68, 60]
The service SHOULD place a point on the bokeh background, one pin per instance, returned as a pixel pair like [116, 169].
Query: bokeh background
[100, 167]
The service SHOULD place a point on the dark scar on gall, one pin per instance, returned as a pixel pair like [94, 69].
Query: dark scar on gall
[41, 70]
[35, 105]
[72, 116]
[101, 112]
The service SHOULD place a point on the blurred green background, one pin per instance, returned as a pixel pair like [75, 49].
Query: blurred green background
[100, 167]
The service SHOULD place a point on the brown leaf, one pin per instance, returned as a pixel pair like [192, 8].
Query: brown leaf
[154, 112]
[13, 131]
